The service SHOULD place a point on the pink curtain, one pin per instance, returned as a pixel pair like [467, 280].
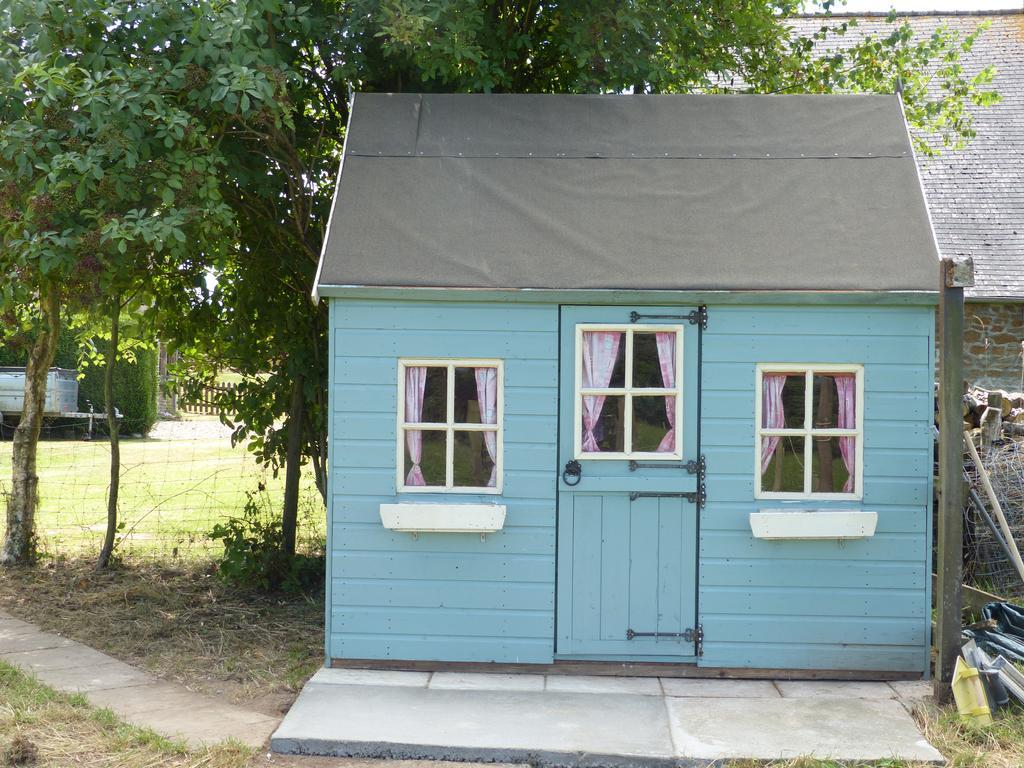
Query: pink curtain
[600, 351]
[667, 359]
[772, 414]
[846, 386]
[487, 398]
[415, 383]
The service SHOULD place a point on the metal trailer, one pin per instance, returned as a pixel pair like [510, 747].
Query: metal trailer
[61, 395]
[61, 391]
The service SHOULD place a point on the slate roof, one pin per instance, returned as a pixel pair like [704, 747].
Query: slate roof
[976, 195]
[674, 192]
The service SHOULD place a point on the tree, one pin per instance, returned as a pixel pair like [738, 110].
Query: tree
[259, 319]
[109, 179]
[255, 95]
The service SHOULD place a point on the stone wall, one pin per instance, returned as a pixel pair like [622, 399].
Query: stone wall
[994, 345]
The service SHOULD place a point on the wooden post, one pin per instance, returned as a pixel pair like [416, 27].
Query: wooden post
[955, 275]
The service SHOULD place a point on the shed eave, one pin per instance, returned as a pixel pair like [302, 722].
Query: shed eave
[634, 296]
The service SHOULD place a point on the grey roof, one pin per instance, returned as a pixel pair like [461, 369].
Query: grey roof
[976, 194]
[645, 192]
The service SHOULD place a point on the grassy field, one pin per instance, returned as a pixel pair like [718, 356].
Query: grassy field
[174, 487]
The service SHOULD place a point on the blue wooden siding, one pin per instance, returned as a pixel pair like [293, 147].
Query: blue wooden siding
[819, 604]
[451, 597]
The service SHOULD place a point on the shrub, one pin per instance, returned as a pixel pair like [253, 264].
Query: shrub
[135, 390]
[252, 551]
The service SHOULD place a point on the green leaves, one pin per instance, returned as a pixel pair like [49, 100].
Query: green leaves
[110, 176]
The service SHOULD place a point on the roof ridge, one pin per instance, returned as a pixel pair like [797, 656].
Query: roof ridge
[905, 14]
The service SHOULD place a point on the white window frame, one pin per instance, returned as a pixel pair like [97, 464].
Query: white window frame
[628, 390]
[450, 426]
[808, 431]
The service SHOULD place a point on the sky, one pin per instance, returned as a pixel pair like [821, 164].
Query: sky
[859, 6]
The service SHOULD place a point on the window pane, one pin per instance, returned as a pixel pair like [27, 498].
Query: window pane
[470, 385]
[782, 400]
[835, 396]
[603, 423]
[426, 391]
[652, 430]
[604, 359]
[431, 447]
[654, 359]
[782, 464]
[830, 457]
[467, 407]
[474, 466]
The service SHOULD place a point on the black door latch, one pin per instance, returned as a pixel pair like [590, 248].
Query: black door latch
[573, 473]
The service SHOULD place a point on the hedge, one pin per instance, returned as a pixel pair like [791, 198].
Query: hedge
[135, 384]
[135, 390]
[66, 355]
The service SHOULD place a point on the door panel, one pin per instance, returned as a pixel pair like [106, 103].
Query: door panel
[627, 535]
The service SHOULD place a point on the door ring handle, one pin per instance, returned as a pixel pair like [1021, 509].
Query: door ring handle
[573, 473]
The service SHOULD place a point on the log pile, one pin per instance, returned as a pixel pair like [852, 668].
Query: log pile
[995, 412]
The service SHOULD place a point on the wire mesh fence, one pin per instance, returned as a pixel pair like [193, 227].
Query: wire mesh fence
[987, 564]
[176, 484]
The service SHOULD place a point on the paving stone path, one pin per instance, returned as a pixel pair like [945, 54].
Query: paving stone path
[600, 722]
[135, 696]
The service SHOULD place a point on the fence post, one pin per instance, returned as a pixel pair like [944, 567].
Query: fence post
[954, 276]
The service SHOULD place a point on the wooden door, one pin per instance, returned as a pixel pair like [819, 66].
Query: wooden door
[629, 483]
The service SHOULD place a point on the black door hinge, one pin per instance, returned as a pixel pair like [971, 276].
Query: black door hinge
[699, 316]
[699, 468]
[695, 636]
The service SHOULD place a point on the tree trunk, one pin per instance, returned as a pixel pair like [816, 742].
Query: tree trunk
[293, 466]
[115, 439]
[316, 444]
[18, 546]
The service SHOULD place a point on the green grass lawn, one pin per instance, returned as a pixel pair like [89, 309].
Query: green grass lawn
[172, 492]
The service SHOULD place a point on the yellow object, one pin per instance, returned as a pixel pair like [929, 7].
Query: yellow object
[969, 693]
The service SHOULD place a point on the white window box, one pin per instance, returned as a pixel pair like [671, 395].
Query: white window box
[449, 518]
[813, 524]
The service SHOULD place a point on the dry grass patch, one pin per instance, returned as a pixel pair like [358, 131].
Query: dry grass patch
[179, 622]
[42, 728]
[1000, 745]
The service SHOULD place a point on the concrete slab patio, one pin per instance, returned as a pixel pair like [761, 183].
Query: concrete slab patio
[135, 696]
[598, 721]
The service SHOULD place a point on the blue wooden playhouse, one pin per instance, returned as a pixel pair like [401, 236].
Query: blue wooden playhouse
[625, 380]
